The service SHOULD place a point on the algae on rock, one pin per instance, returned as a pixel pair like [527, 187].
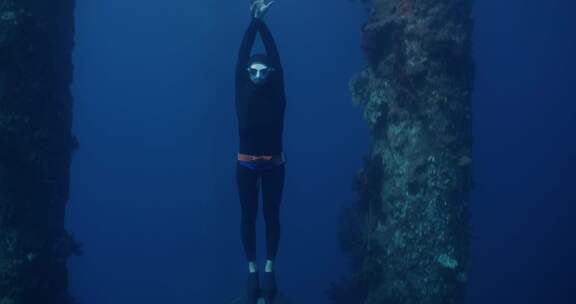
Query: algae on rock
[413, 236]
[35, 149]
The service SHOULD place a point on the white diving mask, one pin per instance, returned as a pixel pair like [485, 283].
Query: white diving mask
[259, 72]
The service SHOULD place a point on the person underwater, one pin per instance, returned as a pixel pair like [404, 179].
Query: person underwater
[260, 105]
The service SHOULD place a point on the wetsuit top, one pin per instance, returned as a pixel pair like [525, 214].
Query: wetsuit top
[260, 108]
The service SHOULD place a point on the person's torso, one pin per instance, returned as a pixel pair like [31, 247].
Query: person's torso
[260, 120]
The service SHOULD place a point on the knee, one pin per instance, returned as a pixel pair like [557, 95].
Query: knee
[248, 220]
[272, 215]
[273, 221]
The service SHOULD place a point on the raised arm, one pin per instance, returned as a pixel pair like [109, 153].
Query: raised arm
[246, 47]
[270, 45]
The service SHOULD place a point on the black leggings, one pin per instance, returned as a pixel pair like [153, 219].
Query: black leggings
[272, 182]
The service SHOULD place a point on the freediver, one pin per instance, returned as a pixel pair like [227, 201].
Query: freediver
[260, 105]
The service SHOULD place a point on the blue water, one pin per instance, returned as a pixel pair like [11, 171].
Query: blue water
[154, 196]
[153, 189]
[525, 153]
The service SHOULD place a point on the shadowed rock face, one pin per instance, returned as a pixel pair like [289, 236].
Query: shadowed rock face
[35, 148]
[409, 239]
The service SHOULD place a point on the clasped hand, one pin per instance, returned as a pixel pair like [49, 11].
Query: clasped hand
[259, 8]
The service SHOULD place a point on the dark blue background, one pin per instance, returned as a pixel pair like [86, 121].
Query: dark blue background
[523, 205]
[153, 193]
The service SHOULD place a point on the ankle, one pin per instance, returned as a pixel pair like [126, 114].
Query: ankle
[252, 267]
[269, 266]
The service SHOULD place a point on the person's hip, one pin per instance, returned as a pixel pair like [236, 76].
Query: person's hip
[261, 162]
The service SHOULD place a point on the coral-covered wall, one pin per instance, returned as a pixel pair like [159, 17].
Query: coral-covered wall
[408, 232]
[36, 39]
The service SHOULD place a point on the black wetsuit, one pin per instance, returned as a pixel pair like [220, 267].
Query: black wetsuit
[260, 114]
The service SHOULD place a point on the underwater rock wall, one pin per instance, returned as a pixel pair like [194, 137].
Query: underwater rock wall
[408, 231]
[36, 40]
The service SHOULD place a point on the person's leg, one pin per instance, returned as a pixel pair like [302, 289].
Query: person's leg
[272, 187]
[248, 193]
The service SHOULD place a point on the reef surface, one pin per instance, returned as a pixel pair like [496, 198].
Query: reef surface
[408, 232]
[36, 143]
